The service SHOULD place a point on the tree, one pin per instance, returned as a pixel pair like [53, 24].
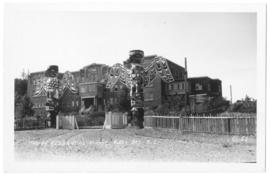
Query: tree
[20, 87]
[247, 105]
[27, 107]
[218, 104]
[23, 104]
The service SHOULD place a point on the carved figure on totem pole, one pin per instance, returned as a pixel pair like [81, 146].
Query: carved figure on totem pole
[136, 77]
[52, 91]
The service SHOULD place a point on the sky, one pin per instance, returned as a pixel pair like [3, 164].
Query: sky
[218, 45]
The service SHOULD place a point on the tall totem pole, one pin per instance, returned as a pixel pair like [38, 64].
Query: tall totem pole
[136, 76]
[52, 92]
[136, 72]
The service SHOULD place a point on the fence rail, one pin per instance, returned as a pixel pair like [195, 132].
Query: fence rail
[235, 125]
[22, 124]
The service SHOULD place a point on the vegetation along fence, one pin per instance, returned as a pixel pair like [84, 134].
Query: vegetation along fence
[26, 123]
[233, 124]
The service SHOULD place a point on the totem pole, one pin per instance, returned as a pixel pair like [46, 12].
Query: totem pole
[52, 93]
[135, 76]
[136, 72]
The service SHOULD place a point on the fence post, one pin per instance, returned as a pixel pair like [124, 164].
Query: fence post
[57, 122]
[180, 124]
[173, 123]
[237, 126]
[193, 124]
[247, 126]
[73, 122]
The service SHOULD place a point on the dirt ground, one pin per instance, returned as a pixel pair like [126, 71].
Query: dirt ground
[132, 145]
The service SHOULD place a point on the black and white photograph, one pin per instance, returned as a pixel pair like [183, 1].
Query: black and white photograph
[150, 87]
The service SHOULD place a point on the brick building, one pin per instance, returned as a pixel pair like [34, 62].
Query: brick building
[86, 88]
[157, 93]
[201, 91]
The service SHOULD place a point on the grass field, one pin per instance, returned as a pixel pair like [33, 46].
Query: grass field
[132, 145]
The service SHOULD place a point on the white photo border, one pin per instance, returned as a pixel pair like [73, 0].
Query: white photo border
[11, 165]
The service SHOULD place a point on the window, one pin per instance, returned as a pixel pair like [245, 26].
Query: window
[72, 103]
[148, 96]
[83, 89]
[174, 86]
[170, 86]
[198, 87]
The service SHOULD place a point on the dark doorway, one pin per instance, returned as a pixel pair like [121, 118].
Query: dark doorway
[88, 102]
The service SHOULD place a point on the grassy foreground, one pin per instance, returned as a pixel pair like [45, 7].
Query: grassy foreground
[132, 145]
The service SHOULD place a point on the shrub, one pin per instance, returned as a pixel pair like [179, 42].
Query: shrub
[162, 109]
[246, 105]
[92, 119]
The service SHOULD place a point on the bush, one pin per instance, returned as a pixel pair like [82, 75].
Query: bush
[32, 122]
[247, 105]
[93, 119]
[162, 109]
[149, 112]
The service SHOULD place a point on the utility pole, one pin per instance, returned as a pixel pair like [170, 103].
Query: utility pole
[185, 78]
[231, 93]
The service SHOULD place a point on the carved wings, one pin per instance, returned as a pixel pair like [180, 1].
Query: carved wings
[50, 83]
[118, 73]
[39, 86]
[158, 67]
[68, 82]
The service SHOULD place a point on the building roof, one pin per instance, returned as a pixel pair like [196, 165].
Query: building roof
[38, 72]
[202, 77]
[150, 57]
[94, 64]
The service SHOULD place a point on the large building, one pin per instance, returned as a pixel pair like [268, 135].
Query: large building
[87, 90]
[200, 91]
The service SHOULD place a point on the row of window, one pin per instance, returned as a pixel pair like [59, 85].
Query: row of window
[42, 105]
[88, 88]
[176, 86]
[147, 97]
[114, 100]
[74, 103]
[200, 87]
[181, 86]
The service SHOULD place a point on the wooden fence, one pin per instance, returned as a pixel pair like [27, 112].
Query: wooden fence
[24, 124]
[115, 120]
[234, 124]
[66, 122]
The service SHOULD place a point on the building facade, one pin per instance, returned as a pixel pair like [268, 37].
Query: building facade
[85, 90]
[201, 91]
